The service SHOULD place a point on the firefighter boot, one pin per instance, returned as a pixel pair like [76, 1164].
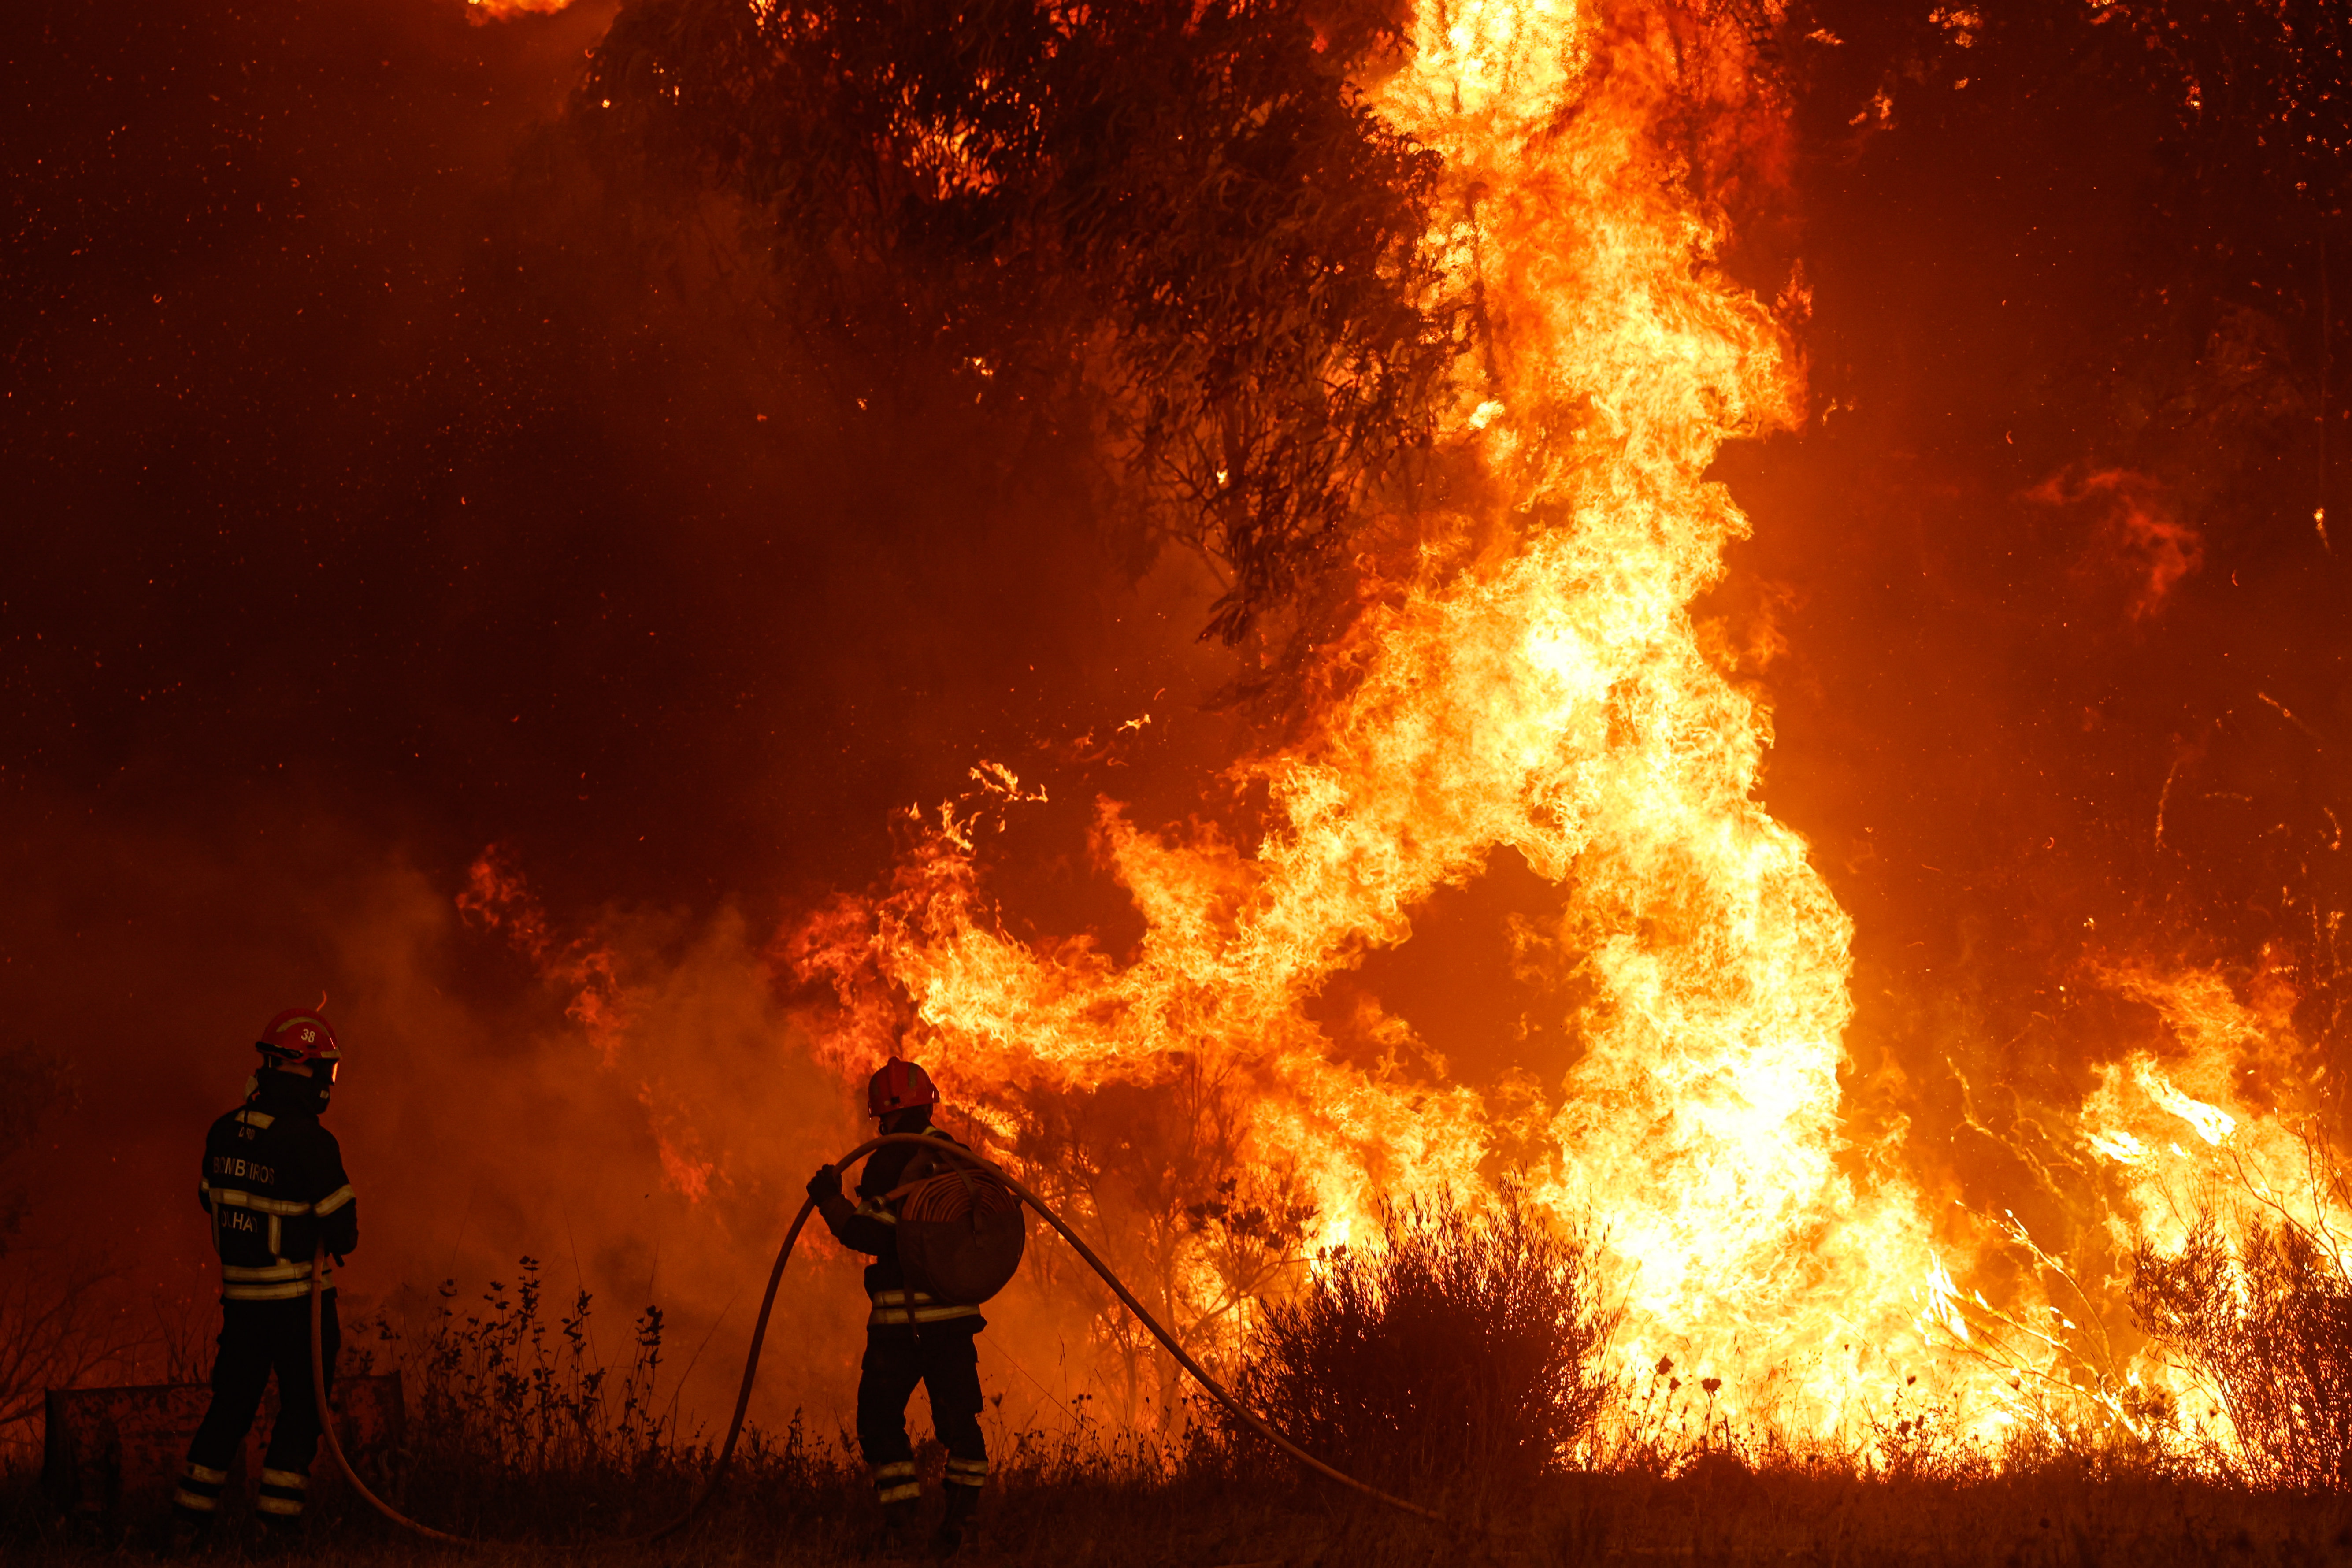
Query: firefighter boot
[194, 1508]
[898, 1531]
[962, 1503]
[280, 1504]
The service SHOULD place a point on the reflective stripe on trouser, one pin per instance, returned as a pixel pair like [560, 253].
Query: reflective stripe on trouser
[282, 1493]
[200, 1490]
[278, 1281]
[259, 1340]
[895, 1309]
[945, 1363]
[897, 1482]
[968, 1472]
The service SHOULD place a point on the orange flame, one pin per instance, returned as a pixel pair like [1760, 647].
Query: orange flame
[1525, 675]
[2197, 1122]
[481, 12]
[1553, 698]
[497, 895]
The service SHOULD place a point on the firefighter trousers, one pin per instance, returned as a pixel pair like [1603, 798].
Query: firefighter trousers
[258, 1339]
[946, 1362]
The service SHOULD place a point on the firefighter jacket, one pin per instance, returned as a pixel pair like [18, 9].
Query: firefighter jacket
[275, 1189]
[872, 1227]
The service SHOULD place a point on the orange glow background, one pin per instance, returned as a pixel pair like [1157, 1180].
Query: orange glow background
[1823, 793]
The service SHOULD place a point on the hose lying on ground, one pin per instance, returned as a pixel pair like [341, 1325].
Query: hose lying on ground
[760, 1335]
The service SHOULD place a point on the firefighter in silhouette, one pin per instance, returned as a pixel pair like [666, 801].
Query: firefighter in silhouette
[909, 1337]
[274, 1188]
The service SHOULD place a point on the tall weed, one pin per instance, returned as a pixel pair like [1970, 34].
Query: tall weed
[515, 1422]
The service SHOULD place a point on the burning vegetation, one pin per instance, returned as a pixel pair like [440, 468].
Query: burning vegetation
[1507, 1032]
[1515, 670]
[1430, 332]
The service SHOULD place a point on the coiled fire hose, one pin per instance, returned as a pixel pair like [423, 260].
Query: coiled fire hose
[760, 1335]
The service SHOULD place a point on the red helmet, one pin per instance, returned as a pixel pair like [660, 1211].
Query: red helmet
[296, 1036]
[898, 1085]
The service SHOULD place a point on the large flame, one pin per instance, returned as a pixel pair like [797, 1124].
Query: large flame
[1550, 697]
[481, 11]
[1525, 678]
[2203, 1119]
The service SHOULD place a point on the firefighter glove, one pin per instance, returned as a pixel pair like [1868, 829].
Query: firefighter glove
[825, 1184]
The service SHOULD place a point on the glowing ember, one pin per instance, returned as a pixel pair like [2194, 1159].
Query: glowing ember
[479, 11]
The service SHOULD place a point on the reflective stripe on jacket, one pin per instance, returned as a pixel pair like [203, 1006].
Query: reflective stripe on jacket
[897, 1306]
[274, 1186]
[872, 1227]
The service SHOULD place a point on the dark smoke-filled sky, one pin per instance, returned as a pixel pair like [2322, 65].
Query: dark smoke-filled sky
[376, 489]
[357, 520]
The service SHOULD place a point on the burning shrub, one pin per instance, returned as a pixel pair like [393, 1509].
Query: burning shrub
[2268, 1325]
[1460, 1345]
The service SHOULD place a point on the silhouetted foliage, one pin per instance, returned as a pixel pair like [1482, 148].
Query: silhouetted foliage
[61, 1326]
[1453, 1346]
[1174, 224]
[2268, 1324]
[510, 1420]
[2203, 175]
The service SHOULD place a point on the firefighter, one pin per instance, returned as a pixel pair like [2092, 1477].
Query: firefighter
[274, 1188]
[909, 1337]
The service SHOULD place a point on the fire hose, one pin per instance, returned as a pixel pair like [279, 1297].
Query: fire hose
[759, 1334]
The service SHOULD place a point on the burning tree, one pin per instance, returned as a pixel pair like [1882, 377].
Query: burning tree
[1521, 672]
[1263, 256]
[1176, 229]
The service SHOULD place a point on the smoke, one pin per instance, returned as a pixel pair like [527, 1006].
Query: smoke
[386, 490]
[383, 490]
[2134, 540]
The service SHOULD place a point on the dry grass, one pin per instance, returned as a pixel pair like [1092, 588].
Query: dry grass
[1720, 1512]
[521, 1435]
